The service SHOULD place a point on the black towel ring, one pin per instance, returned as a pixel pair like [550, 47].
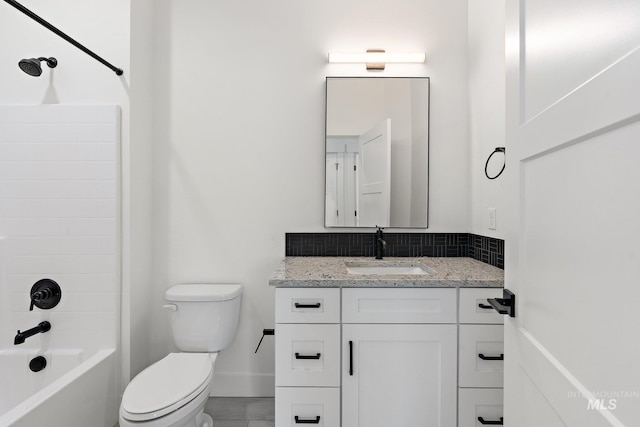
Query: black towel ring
[486, 165]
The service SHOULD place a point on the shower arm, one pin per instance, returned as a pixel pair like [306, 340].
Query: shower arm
[50, 27]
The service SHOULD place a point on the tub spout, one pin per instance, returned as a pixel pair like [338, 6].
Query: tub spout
[22, 336]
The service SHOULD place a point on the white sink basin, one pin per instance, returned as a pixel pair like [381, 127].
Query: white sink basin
[388, 269]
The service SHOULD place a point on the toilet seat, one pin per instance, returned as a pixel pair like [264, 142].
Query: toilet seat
[167, 385]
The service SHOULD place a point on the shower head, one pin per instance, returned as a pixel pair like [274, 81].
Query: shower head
[32, 66]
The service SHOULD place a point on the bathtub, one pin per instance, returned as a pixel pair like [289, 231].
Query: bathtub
[72, 391]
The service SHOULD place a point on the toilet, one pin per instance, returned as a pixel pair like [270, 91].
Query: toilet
[173, 391]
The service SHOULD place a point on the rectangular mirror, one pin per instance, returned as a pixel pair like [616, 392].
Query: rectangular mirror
[377, 152]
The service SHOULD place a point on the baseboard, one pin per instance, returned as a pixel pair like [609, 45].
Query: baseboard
[243, 385]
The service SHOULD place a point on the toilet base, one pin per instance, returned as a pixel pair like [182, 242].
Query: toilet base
[206, 421]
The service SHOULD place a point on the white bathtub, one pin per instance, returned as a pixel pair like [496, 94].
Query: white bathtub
[69, 392]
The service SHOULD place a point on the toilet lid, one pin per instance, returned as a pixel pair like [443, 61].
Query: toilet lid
[203, 292]
[167, 385]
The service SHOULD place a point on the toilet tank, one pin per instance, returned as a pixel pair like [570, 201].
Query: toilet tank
[204, 317]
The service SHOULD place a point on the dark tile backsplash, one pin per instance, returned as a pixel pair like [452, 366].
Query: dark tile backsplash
[485, 249]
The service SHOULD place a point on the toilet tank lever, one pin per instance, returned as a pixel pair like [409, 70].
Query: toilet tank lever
[265, 332]
[171, 307]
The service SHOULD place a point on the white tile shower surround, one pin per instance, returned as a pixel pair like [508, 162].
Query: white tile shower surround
[59, 168]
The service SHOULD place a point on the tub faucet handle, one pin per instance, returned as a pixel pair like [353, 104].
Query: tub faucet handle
[42, 295]
[45, 294]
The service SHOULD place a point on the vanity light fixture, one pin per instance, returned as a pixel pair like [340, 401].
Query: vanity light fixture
[376, 58]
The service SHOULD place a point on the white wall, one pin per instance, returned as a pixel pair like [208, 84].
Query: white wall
[239, 141]
[486, 112]
[420, 129]
[102, 26]
[137, 194]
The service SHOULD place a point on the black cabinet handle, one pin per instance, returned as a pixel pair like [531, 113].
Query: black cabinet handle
[485, 306]
[483, 357]
[499, 305]
[506, 304]
[302, 356]
[351, 358]
[492, 423]
[298, 305]
[315, 420]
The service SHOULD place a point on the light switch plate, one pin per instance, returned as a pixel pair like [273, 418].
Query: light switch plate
[492, 218]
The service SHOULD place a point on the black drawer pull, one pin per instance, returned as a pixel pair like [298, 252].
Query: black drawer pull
[485, 306]
[483, 357]
[315, 420]
[298, 305]
[351, 358]
[492, 423]
[302, 356]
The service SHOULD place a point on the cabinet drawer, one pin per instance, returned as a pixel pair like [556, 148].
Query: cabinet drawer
[307, 355]
[479, 346]
[399, 305]
[474, 307]
[315, 406]
[475, 403]
[307, 305]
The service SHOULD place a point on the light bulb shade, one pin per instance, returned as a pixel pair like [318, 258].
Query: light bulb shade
[376, 57]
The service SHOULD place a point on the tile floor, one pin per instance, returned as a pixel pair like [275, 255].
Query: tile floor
[241, 411]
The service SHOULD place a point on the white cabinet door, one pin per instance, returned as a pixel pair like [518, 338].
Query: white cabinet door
[572, 259]
[374, 181]
[399, 375]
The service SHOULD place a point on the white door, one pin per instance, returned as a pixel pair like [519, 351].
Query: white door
[399, 375]
[333, 189]
[350, 189]
[572, 353]
[374, 191]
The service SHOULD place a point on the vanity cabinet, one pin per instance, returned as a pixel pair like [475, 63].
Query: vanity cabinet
[307, 357]
[481, 359]
[398, 357]
[377, 357]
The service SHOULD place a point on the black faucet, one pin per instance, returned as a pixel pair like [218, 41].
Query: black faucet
[380, 243]
[22, 336]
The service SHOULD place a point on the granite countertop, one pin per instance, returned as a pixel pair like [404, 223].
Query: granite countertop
[331, 272]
